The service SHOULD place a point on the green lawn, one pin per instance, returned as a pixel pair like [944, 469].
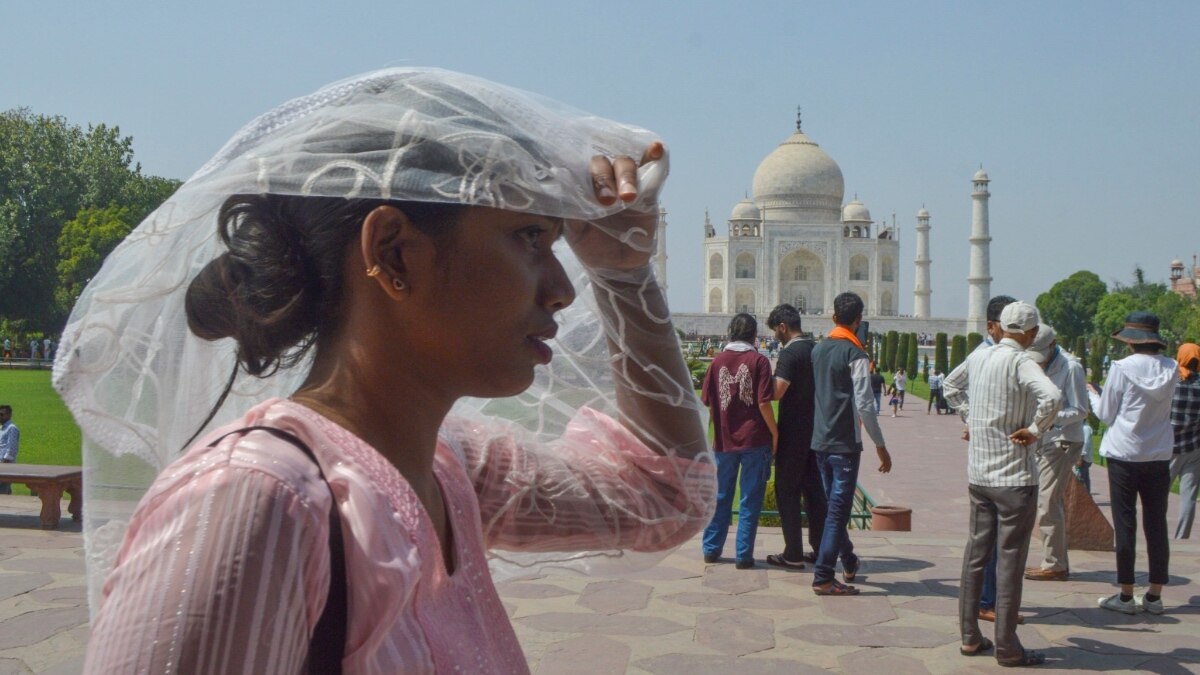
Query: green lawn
[48, 432]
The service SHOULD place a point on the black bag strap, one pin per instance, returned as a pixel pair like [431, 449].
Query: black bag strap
[328, 643]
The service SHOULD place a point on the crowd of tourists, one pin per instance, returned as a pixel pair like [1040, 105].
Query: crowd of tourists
[1025, 402]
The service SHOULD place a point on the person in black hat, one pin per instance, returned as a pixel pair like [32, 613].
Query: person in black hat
[1136, 406]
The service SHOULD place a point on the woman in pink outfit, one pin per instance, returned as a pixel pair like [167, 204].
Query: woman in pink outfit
[412, 374]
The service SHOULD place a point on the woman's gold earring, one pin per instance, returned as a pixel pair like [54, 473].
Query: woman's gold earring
[398, 284]
[373, 270]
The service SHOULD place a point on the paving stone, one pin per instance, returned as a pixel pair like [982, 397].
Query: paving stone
[74, 595]
[6, 553]
[54, 565]
[1166, 664]
[509, 608]
[526, 590]
[703, 664]
[72, 666]
[939, 606]
[568, 622]
[735, 632]
[21, 582]
[597, 655]
[33, 627]
[1179, 647]
[729, 579]
[870, 636]
[876, 661]
[860, 610]
[14, 667]
[42, 541]
[744, 601]
[614, 597]
[663, 573]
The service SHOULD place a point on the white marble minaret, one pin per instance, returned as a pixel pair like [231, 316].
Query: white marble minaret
[921, 289]
[979, 280]
[660, 255]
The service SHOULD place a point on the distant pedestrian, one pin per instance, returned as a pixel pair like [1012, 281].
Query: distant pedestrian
[46, 348]
[877, 384]
[1136, 406]
[1185, 420]
[900, 382]
[737, 389]
[1011, 405]
[936, 401]
[844, 408]
[33, 350]
[7, 350]
[798, 487]
[10, 442]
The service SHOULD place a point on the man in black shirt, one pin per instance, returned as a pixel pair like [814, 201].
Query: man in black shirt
[796, 474]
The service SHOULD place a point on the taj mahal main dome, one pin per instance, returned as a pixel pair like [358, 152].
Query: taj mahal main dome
[793, 242]
[799, 174]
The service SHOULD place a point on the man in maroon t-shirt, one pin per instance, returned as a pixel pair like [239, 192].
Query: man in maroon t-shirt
[737, 390]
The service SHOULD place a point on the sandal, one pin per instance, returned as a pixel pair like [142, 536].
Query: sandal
[850, 572]
[1029, 658]
[835, 588]
[981, 648]
[780, 561]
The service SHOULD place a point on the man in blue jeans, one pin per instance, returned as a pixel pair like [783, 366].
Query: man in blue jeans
[844, 405]
[737, 390]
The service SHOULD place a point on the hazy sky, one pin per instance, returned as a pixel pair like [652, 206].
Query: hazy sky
[1086, 115]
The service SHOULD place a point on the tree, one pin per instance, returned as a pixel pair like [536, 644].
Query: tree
[910, 365]
[973, 341]
[1070, 304]
[958, 351]
[891, 347]
[83, 244]
[49, 171]
[941, 360]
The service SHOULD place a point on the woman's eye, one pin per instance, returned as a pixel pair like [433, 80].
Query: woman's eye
[536, 235]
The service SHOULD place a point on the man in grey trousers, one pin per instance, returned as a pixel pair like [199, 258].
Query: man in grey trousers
[1012, 404]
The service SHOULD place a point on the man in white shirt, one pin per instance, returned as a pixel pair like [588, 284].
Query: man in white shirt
[10, 443]
[1012, 404]
[1057, 453]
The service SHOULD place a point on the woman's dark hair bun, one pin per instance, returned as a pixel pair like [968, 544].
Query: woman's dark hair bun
[277, 284]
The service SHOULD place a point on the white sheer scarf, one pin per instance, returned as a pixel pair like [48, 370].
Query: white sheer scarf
[139, 383]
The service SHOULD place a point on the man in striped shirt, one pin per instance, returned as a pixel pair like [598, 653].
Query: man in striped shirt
[1012, 403]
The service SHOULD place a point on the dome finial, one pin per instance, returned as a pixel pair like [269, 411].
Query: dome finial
[798, 118]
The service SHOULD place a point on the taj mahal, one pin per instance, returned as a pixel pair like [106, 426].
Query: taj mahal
[795, 240]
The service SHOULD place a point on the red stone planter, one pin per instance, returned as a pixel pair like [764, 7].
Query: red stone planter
[891, 518]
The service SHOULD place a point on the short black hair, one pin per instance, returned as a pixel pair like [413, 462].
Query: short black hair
[784, 314]
[6, 408]
[847, 308]
[743, 327]
[997, 305]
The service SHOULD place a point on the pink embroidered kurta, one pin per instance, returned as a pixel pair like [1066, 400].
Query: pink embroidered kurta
[225, 567]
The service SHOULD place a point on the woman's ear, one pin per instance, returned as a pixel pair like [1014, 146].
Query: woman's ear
[388, 241]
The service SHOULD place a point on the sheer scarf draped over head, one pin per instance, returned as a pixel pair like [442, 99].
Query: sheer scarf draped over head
[140, 384]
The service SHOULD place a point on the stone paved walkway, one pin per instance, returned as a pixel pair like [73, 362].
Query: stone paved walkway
[685, 617]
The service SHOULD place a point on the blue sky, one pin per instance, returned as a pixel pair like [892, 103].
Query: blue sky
[1086, 115]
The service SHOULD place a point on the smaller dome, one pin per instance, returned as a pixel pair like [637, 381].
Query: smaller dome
[745, 210]
[1177, 263]
[980, 175]
[855, 211]
[923, 213]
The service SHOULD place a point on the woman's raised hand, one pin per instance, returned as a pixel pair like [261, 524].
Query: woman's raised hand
[624, 240]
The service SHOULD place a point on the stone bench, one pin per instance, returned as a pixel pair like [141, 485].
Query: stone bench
[49, 482]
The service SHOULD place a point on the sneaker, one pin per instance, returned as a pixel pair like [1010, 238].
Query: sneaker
[1116, 604]
[711, 558]
[747, 564]
[1152, 606]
